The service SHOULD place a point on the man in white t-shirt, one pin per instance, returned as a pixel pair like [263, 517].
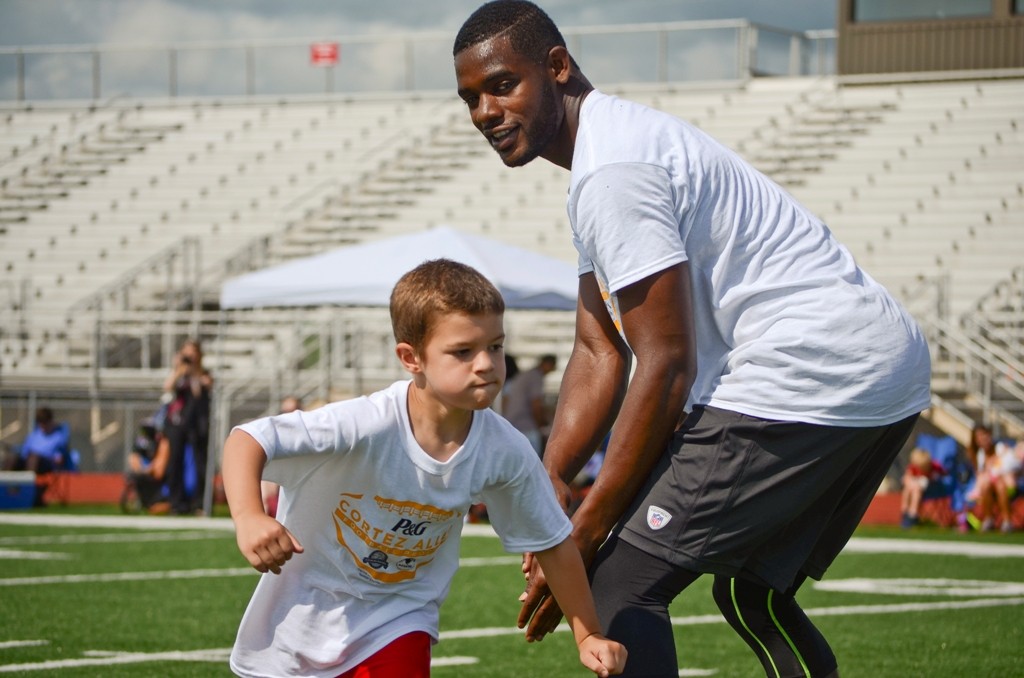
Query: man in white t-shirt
[374, 491]
[523, 403]
[774, 380]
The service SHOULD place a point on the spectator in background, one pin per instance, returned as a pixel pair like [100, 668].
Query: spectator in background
[187, 388]
[920, 473]
[271, 491]
[511, 372]
[46, 449]
[511, 368]
[147, 468]
[996, 467]
[524, 404]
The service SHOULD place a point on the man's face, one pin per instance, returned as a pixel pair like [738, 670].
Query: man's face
[511, 99]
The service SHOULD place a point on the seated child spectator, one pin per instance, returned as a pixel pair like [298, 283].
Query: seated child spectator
[997, 467]
[374, 493]
[920, 472]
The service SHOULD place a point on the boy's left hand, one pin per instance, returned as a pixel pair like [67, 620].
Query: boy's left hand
[602, 656]
[265, 543]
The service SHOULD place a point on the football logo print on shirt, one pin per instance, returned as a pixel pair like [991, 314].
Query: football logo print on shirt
[657, 517]
[389, 539]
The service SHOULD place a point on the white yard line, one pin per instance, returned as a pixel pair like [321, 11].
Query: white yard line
[127, 576]
[9, 644]
[202, 573]
[838, 611]
[905, 586]
[111, 538]
[20, 554]
[946, 548]
[856, 545]
[126, 522]
[217, 656]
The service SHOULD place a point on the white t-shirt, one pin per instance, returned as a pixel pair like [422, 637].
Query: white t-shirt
[787, 326]
[380, 521]
[1003, 462]
[525, 388]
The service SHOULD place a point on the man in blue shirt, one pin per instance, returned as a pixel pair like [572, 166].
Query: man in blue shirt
[46, 448]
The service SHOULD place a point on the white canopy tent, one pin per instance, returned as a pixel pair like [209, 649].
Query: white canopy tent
[364, 274]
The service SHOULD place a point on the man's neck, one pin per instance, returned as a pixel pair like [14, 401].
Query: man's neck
[573, 93]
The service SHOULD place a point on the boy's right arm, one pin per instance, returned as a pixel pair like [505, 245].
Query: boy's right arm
[264, 542]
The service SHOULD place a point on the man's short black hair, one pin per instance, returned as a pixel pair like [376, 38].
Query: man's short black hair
[530, 31]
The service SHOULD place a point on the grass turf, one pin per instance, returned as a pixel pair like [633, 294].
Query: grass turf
[112, 595]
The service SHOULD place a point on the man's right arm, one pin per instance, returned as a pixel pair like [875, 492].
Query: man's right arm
[657, 318]
[592, 390]
[593, 386]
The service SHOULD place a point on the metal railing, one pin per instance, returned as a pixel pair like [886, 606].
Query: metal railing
[733, 49]
[991, 378]
[1000, 316]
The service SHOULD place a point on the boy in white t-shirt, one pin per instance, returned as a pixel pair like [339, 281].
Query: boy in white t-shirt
[373, 495]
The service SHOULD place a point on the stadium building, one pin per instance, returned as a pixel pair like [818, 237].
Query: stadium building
[133, 191]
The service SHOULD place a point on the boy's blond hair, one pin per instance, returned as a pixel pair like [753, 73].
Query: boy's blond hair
[921, 459]
[435, 288]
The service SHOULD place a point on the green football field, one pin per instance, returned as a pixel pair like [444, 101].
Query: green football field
[106, 595]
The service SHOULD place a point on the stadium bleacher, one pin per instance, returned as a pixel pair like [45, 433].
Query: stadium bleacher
[118, 223]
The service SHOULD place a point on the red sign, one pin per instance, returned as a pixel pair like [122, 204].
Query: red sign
[324, 53]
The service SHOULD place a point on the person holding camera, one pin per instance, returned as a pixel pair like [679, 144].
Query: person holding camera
[187, 427]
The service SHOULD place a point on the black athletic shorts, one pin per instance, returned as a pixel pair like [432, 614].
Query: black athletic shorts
[740, 496]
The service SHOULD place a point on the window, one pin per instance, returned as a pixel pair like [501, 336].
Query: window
[915, 10]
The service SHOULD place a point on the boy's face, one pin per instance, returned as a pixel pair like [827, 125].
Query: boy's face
[463, 360]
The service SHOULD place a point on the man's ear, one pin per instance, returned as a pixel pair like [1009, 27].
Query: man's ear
[408, 357]
[559, 64]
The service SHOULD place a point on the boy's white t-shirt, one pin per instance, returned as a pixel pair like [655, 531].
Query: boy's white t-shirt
[788, 327]
[380, 522]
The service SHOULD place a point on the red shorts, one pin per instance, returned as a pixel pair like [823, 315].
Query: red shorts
[405, 657]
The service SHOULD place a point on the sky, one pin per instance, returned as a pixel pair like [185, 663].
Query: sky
[33, 23]
[39, 22]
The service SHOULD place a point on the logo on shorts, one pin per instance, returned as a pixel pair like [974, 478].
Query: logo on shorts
[657, 517]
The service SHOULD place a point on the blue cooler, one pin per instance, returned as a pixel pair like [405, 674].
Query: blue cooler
[17, 489]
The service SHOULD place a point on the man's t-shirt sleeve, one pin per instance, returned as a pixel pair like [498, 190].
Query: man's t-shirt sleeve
[627, 223]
